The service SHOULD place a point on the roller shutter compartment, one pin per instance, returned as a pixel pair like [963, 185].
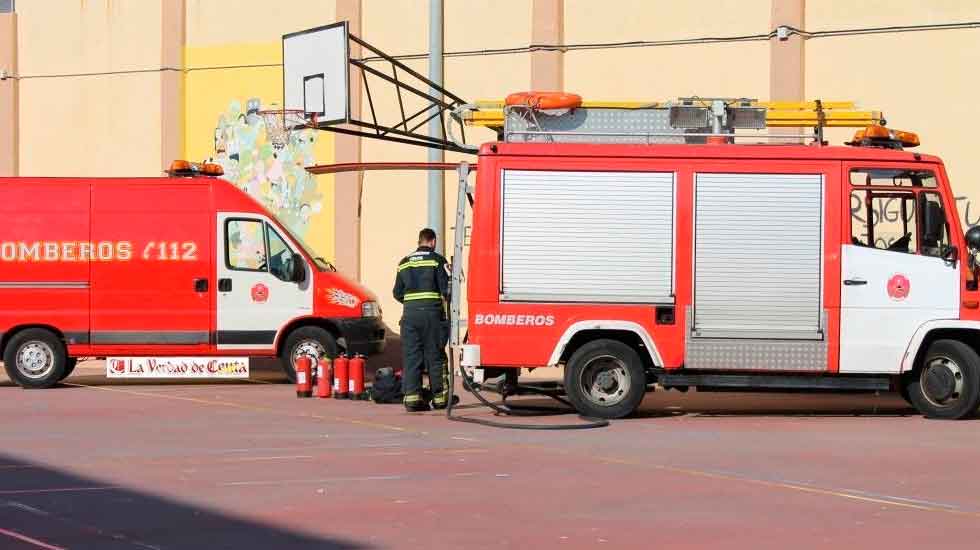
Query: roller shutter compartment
[587, 236]
[758, 256]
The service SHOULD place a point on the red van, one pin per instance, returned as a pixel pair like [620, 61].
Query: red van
[179, 266]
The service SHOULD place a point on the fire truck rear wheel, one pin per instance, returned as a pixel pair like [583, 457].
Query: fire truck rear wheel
[947, 383]
[313, 342]
[605, 379]
[35, 358]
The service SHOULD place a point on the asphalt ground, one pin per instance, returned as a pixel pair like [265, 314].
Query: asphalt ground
[106, 464]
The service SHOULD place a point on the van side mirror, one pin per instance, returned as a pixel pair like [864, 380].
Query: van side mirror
[297, 268]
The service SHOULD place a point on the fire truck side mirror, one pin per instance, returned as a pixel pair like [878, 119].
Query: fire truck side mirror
[296, 268]
[972, 238]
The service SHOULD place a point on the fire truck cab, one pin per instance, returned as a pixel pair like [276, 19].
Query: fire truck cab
[724, 267]
[183, 266]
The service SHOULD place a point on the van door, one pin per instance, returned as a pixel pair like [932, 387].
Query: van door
[894, 272]
[150, 266]
[255, 296]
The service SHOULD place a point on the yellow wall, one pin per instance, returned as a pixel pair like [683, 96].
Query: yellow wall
[660, 73]
[223, 34]
[925, 82]
[99, 125]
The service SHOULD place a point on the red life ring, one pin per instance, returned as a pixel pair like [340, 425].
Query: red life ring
[544, 100]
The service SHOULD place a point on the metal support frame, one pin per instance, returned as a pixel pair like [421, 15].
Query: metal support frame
[439, 103]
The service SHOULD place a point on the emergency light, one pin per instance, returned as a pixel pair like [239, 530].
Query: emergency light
[879, 136]
[186, 168]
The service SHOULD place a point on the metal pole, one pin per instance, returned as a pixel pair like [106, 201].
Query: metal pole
[437, 200]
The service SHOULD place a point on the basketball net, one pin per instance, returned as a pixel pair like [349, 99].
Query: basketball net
[281, 123]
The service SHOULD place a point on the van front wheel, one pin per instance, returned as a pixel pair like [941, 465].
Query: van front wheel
[35, 358]
[605, 379]
[312, 342]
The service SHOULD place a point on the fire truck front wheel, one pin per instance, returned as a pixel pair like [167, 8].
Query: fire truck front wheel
[605, 379]
[947, 383]
[313, 342]
[35, 358]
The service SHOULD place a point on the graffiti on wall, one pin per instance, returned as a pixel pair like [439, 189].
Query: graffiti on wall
[277, 178]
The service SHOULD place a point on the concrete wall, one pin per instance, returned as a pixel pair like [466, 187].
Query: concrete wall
[106, 120]
[923, 81]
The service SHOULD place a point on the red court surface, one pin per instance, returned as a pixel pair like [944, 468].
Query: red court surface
[103, 465]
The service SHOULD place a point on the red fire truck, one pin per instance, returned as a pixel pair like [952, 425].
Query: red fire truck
[721, 266]
[183, 266]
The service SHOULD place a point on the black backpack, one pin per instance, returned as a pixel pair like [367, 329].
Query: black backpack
[387, 387]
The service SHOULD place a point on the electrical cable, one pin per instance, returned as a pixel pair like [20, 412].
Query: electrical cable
[564, 47]
[517, 410]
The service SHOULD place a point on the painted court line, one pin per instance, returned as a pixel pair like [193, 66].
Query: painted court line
[308, 481]
[29, 540]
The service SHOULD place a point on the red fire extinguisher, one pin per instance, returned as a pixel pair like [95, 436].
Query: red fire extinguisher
[323, 375]
[304, 372]
[341, 379]
[357, 377]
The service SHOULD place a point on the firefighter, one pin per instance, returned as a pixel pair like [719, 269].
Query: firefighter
[421, 285]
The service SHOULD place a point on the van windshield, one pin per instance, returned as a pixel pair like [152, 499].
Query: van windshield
[321, 264]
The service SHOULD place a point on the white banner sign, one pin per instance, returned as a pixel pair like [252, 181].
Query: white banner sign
[176, 367]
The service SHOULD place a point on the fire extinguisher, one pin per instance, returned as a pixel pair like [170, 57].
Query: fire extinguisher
[341, 379]
[304, 372]
[323, 375]
[357, 377]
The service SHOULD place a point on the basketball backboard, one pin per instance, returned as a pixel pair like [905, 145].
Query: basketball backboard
[317, 69]
[315, 72]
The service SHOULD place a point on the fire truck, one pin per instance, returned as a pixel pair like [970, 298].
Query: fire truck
[187, 269]
[702, 242]
[676, 256]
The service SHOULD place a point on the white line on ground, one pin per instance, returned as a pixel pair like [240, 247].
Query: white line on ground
[26, 508]
[259, 458]
[29, 540]
[56, 490]
[309, 481]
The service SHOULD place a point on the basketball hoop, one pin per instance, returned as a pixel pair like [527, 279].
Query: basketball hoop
[281, 123]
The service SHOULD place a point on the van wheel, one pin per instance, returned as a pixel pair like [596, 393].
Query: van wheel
[947, 383]
[70, 368]
[35, 358]
[313, 342]
[605, 379]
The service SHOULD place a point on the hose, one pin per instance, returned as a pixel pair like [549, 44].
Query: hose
[517, 410]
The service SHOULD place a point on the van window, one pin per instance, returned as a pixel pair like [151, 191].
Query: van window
[279, 254]
[245, 245]
[899, 221]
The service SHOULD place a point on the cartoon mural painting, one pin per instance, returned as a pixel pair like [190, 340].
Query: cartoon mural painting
[275, 177]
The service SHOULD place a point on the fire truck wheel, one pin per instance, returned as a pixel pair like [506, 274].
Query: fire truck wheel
[605, 379]
[35, 358]
[947, 383]
[313, 342]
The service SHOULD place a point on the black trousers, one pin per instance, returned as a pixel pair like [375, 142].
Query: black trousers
[424, 333]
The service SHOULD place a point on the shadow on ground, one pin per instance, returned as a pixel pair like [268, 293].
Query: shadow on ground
[62, 510]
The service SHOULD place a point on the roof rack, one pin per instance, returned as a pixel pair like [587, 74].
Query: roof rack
[684, 120]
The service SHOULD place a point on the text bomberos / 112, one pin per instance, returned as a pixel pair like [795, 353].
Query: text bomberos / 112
[101, 251]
